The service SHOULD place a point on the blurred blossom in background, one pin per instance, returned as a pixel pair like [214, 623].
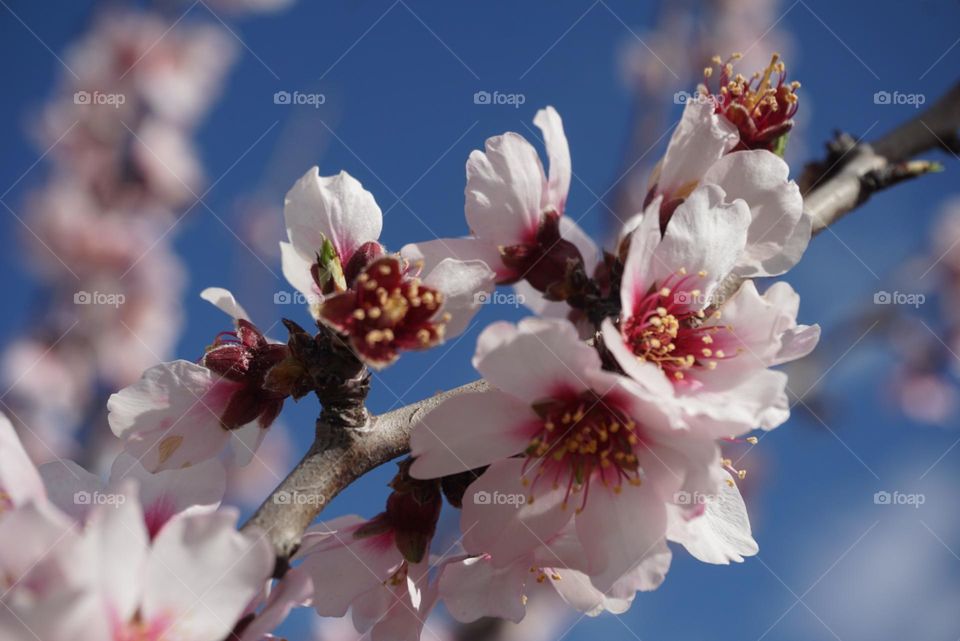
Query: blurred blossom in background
[148, 147]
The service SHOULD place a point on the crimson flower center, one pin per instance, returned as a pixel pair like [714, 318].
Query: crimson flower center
[581, 438]
[667, 329]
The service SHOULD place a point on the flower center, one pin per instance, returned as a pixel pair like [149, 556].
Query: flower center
[666, 328]
[761, 106]
[582, 437]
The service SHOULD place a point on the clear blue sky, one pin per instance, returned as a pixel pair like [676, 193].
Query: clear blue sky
[399, 81]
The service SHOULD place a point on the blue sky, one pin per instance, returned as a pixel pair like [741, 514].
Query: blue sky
[399, 80]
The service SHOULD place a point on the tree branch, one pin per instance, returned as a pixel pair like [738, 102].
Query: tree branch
[340, 455]
[337, 458]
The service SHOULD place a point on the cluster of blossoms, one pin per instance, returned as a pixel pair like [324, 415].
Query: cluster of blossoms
[143, 557]
[118, 134]
[596, 441]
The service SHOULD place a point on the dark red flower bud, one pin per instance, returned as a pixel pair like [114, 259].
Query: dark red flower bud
[245, 356]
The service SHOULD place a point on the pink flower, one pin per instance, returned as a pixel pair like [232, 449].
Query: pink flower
[668, 339]
[515, 211]
[699, 155]
[182, 413]
[378, 301]
[588, 437]
[192, 582]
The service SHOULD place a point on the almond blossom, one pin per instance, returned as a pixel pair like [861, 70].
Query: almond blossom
[182, 413]
[668, 337]
[379, 302]
[515, 211]
[598, 451]
[192, 582]
[703, 152]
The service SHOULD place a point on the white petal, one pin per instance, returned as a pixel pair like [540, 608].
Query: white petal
[504, 189]
[70, 487]
[722, 533]
[700, 139]
[468, 431]
[463, 285]
[620, 531]
[223, 300]
[245, 441]
[170, 418]
[474, 588]
[558, 153]
[779, 231]
[18, 475]
[334, 207]
[203, 572]
[499, 519]
[168, 493]
[296, 269]
[293, 590]
[348, 567]
[431, 252]
[639, 272]
[707, 233]
[116, 546]
[534, 358]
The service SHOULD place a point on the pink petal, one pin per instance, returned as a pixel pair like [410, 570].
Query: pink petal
[468, 431]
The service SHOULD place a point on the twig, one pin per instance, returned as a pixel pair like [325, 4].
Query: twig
[336, 459]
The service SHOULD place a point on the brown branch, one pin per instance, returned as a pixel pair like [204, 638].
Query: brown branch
[341, 454]
[337, 458]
